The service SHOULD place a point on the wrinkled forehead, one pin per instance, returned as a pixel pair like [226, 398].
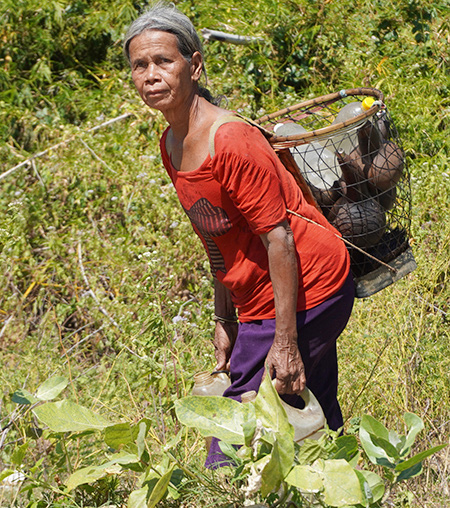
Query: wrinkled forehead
[156, 39]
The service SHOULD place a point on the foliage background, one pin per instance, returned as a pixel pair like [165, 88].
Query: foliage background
[101, 277]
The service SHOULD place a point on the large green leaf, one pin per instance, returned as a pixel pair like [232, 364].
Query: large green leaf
[272, 474]
[335, 479]
[372, 486]
[311, 450]
[341, 485]
[138, 498]
[220, 417]
[66, 416]
[269, 409]
[90, 474]
[306, 479]
[418, 458]
[51, 388]
[119, 435]
[372, 426]
[415, 425]
[160, 488]
[377, 454]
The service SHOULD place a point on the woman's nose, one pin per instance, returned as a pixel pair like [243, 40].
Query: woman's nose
[151, 73]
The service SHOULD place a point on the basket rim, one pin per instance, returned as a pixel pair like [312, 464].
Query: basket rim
[280, 142]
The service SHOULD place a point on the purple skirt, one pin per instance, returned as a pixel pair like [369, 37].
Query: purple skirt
[318, 329]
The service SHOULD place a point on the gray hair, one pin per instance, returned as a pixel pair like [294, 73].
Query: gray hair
[166, 17]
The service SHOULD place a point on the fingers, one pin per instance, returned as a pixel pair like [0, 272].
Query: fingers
[288, 370]
[221, 359]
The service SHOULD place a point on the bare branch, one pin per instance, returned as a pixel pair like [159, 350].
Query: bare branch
[62, 143]
[94, 296]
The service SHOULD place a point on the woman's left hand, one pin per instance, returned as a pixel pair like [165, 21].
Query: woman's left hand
[285, 362]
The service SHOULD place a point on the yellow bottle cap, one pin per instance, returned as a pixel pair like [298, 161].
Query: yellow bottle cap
[367, 103]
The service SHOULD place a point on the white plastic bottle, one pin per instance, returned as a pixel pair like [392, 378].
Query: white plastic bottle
[308, 422]
[318, 165]
[210, 383]
[348, 139]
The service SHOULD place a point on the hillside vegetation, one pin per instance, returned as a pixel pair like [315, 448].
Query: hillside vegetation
[102, 280]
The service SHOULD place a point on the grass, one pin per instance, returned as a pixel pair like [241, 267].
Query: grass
[104, 282]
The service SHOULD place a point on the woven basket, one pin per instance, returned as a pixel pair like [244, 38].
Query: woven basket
[356, 175]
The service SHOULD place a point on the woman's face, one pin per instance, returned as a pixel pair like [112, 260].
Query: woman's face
[163, 77]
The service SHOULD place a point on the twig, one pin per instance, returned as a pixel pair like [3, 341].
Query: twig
[82, 340]
[216, 35]
[62, 143]
[100, 308]
[2, 331]
[431, 305]
[33, 165]
[96, 156]
[369, 377]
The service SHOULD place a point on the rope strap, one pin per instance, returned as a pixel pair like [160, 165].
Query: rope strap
[347, 242]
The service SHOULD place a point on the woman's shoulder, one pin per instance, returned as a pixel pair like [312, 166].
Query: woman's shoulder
[237, 137]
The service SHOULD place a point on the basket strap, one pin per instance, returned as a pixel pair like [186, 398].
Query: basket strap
[231, 117]
[284, 155]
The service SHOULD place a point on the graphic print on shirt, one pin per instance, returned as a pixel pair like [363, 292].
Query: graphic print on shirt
[210, 221]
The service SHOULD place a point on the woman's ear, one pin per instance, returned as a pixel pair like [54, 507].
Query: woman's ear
[196, 66]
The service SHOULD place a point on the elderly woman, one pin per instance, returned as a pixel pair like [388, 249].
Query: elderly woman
[287, 278]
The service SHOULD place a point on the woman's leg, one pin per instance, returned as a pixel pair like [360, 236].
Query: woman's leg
[318, 329]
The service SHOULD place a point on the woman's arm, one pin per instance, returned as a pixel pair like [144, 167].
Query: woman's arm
[284, 359]
[226, 325]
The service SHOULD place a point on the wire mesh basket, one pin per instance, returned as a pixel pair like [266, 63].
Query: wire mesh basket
[352, 161]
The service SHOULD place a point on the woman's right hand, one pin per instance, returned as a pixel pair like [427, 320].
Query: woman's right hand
[224, 339]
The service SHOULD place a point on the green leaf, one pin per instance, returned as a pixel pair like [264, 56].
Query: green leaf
[19, 454]
[249, 429]
[311, 450]
[269, 409]
[5, 473]
[51, 388]
[341, 485]
[387, 446]
[372, 426]
[118, 435]
[347, 448]
[66, 416]
[372, 486]
[336, 479]
[409, 473]
[230, 451]
[160, 488]
[376, 454]
[138, 498]
[273, 473]
[306, 479]
[415, 425]
[140, 440]
[417, 458]
[90, 474]
[23, 397]
[220, 417]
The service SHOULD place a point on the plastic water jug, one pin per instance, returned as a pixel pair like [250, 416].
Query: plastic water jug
[348, 139]
[210, 383]
[308, 422]
[318, 165]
